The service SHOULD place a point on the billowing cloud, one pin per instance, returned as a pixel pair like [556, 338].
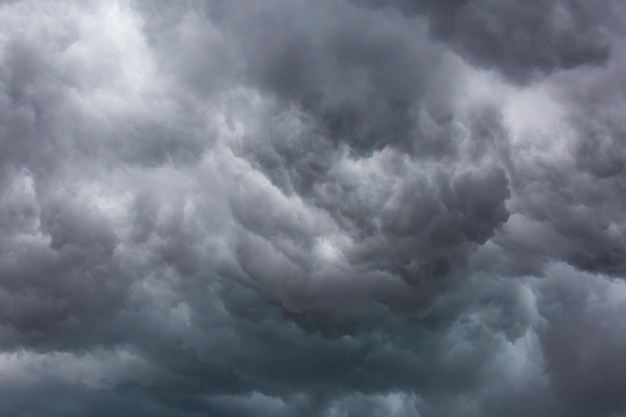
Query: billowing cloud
[317, 208]
[522, 40]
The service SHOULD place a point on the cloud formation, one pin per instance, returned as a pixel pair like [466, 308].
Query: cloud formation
[315, 208]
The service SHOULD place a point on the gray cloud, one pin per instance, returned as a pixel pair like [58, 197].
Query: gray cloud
[523, 40]
[316, 208]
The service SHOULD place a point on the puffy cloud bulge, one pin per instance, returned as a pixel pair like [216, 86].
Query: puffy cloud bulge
[315, 208]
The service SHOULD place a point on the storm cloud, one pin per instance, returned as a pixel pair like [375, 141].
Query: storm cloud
[312, 208]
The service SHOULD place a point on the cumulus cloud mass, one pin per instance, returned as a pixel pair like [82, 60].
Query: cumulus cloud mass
[317, 208]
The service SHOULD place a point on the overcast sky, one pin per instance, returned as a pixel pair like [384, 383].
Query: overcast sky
[316, 208]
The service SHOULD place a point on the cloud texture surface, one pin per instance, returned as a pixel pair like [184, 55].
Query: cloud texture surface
[315, 208]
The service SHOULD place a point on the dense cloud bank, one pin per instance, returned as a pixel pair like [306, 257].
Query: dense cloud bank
[312, 208]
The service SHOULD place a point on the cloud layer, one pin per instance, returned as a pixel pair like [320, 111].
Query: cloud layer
[314, 208]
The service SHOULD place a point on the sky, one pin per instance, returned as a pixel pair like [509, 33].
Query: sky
[316, 208]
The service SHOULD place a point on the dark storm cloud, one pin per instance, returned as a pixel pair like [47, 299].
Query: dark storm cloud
[364, 88]
[585, 373]
[314, 208]
[523, 40]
